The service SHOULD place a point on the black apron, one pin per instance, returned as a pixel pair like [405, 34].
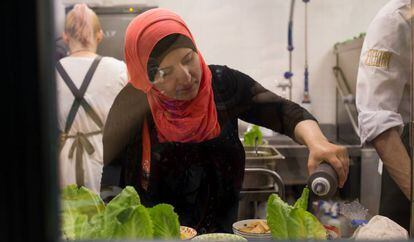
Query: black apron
[394, 204]
[81, 142]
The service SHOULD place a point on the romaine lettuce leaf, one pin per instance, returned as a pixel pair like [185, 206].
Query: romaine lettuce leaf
[78, 206]
[134, 222]
[84, 216]
[165, 222]
[81, 200]
[127, 198]
[251, 134]
[287, 222]
[296, 226]
[277, 213]
[302, 202]
[314, 228]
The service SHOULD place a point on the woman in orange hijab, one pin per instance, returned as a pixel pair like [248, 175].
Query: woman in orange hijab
[173, 129]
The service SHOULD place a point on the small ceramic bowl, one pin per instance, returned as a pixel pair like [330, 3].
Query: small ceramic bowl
[187, 233]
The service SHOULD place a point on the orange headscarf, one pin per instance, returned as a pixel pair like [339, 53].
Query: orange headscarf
[176, 121]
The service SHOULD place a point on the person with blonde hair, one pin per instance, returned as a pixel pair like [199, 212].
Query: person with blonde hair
[87, 84]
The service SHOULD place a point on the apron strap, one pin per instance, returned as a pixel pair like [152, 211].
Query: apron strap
[79, 94]
[81, 142]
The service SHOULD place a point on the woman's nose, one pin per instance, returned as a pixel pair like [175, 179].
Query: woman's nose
[185, 76]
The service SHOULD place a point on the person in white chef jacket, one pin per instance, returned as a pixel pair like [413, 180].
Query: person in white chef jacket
[95, 81]
[383, 103]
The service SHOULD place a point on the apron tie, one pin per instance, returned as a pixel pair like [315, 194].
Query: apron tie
[80, 144]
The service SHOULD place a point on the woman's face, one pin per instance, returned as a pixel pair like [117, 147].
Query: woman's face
[179, 74]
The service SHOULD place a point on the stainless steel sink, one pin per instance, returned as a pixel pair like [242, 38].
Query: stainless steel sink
[253, 202]
[266, 157]
[264, 153]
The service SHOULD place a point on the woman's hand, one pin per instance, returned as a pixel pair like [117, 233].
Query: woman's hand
[335, 155]
[320, 149]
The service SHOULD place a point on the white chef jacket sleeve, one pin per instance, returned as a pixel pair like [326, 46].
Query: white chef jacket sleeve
[382, 75]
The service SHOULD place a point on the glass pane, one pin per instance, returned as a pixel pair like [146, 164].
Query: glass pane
[237, 119]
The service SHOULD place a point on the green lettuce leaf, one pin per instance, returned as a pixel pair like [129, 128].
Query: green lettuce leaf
[81, 226]
[165, 222]
[78, 206]
[277, 214]
[124, 200]
[296, 226]
[287, 222]
[96, 227]
[85, 216]
[302, 202]
[251, 134]
[314, 228]
[127, 198]
[134, 222]
[69, 224]
[81, 200]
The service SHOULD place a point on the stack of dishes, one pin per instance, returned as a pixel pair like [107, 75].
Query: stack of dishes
[254, 229]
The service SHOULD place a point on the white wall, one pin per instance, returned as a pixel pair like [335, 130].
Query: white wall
[252, 36]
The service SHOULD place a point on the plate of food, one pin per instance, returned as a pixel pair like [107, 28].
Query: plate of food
[218, 237]
[187, 233]
[252, 228]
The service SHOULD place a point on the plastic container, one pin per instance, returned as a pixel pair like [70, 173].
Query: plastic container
[334, 221]
[355, 215]
[326, 213]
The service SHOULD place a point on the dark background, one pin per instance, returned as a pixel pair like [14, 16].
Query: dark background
[29, 157]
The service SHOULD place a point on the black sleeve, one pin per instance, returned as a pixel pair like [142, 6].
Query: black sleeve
[122, 124]
[124, 119]
[258, 105]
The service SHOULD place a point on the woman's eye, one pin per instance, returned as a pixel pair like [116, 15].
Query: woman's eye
[188, 58]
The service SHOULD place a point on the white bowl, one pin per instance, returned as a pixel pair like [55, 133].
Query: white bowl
[187, 233]
[244, 223]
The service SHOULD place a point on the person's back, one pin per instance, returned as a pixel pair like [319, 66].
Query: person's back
[95, 81]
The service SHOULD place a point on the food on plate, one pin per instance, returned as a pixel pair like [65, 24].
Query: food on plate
[219, 237]
[258, 227]
[187, 233]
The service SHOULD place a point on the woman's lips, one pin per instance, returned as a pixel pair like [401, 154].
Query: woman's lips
[186, 89]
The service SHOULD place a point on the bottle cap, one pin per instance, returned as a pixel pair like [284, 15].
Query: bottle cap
[320, 186]
[323, 181]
